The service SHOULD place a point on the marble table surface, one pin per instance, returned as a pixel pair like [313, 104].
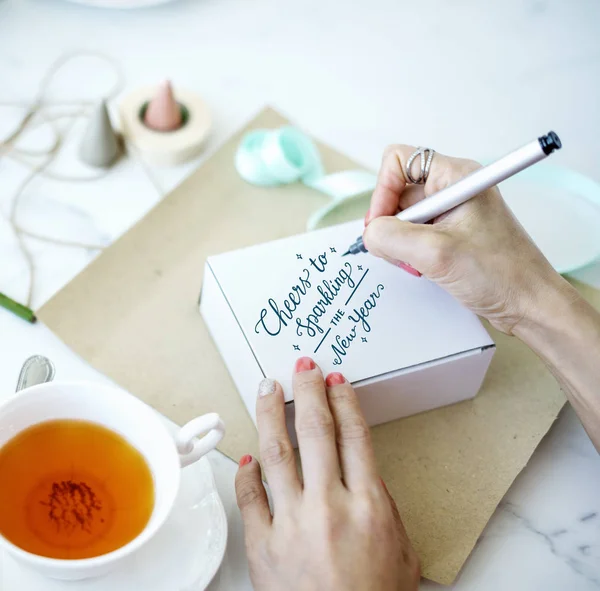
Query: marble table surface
[468, 78]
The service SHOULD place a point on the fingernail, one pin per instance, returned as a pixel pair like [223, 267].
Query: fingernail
[304, 364]
[408, 268]
[367, 220]
[266, 387]
[364, 238]
[245, 460]
[334, 379]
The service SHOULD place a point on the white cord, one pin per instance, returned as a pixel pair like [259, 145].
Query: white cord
[39, 161]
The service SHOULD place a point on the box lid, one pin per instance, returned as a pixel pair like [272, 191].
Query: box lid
[357, 314]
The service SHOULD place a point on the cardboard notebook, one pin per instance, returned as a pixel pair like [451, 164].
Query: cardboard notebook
[133, 314]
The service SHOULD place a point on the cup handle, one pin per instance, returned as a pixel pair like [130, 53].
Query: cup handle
[191, 449]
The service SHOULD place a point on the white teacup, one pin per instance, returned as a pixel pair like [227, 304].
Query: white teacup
[140, 425]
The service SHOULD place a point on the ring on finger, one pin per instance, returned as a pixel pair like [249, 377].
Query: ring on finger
[426, 156]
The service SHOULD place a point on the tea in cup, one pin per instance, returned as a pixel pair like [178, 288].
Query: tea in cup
[88, 474]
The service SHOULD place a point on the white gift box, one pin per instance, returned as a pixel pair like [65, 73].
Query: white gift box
[404, 344]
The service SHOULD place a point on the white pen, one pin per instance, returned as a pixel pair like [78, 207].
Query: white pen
[474, 184]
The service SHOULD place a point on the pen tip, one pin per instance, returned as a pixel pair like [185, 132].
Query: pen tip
[347, 252]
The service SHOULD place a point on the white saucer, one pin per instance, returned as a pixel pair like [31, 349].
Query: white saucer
[560, 209]
[184, 556]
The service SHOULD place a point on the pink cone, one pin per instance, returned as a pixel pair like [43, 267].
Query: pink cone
[163, 112]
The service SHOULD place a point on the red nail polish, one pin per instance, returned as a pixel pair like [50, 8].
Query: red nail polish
[408, 268]
[304, 364]
[334, 379]
[367, 220]
[245, 460]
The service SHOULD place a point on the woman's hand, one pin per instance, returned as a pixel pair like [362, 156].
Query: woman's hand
[478, 252]
[337, 530]
[481, 255]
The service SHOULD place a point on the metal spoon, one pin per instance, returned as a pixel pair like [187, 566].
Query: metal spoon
[36, 370]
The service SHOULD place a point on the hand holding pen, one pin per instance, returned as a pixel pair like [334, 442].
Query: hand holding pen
[480, 254]
[471, 185]
[477, 251]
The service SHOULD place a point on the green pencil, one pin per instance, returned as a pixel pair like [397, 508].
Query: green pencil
[16, 308]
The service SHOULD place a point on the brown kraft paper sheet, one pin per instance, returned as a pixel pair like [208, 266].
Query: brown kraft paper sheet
[133, 314]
